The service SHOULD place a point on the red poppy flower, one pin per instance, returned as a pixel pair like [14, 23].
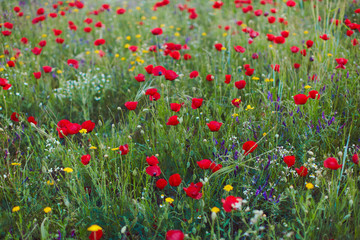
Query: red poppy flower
[73, 63]
[98, 25]
[354, 42]
[236, 102]
[214, 126]
[314, 94]
[37, 75]
[194, 74]
[239, 49]
[309, 43]
[149, 69]
[279, 40]
[59, 40]
[124, 149]
[218, 46]
[42, 43]
[174, 235]
[210, 77]
[131, 105]
[302, 172]
[170, 75]
[96, 235]
[291, 3]
[194, 190]
[175, 55]
[249, 147]
[289, 160]
[294, 49]
[140, 77]
[11, 64]
[99, 42]
[24, 40]
[152, 161]
[300, 99]
[85, 159]
[120, 11]
[227, 78]
[6, 33]
[57, 32]
[303, 52]
[173, 121]
[271, 19]
[324, 37]
[187, 57]
[240, 84]
[14, 117]
[215, 167]
[47, 69]
[341, 63]
[175, 180]
[196, 103]
[161, 183]
[355, 158]
[276, 68]
[157, 31]
[158, 71]
[285, 34]
[204, 164]
[249, 72]
[73, 128]
[151, 91]
[36, 50]
[152, 48]
[218, 4]
[88, 125]
[153, 171]
[31, 119]
[4, 83]
[176, 106]
[231, 203]
[17, 9]
[332, 163]
[87, 30]
[297, 65]
[133, 48]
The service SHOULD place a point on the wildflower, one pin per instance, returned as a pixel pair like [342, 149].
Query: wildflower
[48, 182]
[85, 159]
[309, 186]
[228, 188]
[193, 190]
[16, 164]
[83, 131]
[175, 180]
[174, 235]
[15, 209]
[93, 147]
[94, 228]
[302, 172]
[329, 55]
[173, 121]
[68, 170]
[215, 210]
[240, 84]
[355, 158]
[307, 87]
[248, 107]
[204, 164]
[214, 126]
[249, 147]
[332, 163]
[289, 160]
[47, 209]
[161, 183]
[231, 203]
[300, 99]
[124, 149]
[169, 200]
[234, 115]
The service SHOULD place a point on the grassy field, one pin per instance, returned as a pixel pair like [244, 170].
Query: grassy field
[179, 119]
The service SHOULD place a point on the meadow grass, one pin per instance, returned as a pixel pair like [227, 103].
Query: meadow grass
[114, 191]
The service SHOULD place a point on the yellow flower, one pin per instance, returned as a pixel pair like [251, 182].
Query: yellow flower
[294, 34]
[270, 46]
[178, 29]
[248, 107]
[138, 36]
[138, 8]
[44, 36]
[114, 149]
[223, 48]
[306, 32]
[12, 59]
[2, 69]
[176, 34]
[47, 209]
[16, 164]
[264, 134]
[93, 147]
[97, 51]
[15, 209]
[87, 52]
[143, 18]
[307, 87]
[329, 55]
[228, 188]
[68, 170]
[48, 182]
[153, 17]
[128, 38]
[269, 80]
[255, 78]
[243, 25]
[2, 56]
[76, 10]
[59, 71]
[169, 200]
[123, 59]
[309, 186]
[117, 55]
[94, 228]
[132, 62]
[215, 210]
[171, 27]
[225, 34]
[162, 25]
[270, 30]
[204, 34]
[145, 51]
[235, 115]
[127, 45]
[83, 131]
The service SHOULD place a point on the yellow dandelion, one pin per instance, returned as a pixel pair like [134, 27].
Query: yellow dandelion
[153, 17]
[128, 38]
[330, 55]
[171, 27]
[204, 34]
[215, 210]
[117, 55]
[127, 45]
[235, 115]
[12, 59]
[307, 87]
[16, 164]
[15, 209]
[264, 134]
[143, 18]
[228, 188]
[94, 228]
[223, 48]
[169, 200]
[176, 34]
[123, 59]
[83, 131]
[270, 46]
[68, 170]
[138, 8]
[255, 78]
[87, 52]
[138, 35]
[93, 147]
[225, 34]
[44, 36]
[47, 209]
[248, 107]
[309, 186]
[306, 32]
[48, 182]
[162, 25]
[59, 72]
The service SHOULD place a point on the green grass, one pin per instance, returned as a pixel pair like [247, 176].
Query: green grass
[124, 200]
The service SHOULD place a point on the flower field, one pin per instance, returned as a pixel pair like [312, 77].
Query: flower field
[187, 119]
